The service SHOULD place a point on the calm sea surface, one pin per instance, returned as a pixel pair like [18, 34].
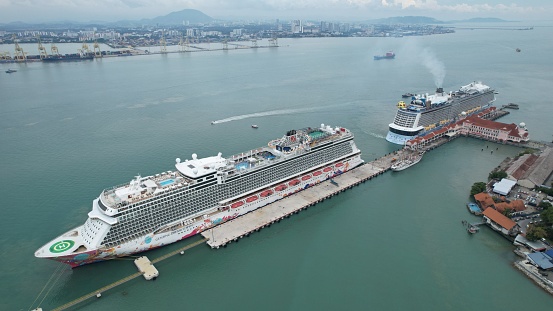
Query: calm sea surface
[69, 130]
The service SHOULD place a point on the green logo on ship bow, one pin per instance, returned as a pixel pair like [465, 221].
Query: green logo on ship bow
[61, 246]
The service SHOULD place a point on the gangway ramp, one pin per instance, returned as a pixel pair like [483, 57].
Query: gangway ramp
[126, 279]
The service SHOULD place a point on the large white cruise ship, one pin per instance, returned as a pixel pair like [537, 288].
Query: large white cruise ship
[428, 112]
[157, 210]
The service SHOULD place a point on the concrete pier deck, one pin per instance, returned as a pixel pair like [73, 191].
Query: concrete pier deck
[265, 216]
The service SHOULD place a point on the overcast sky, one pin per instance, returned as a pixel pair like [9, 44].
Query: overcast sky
[113, 10]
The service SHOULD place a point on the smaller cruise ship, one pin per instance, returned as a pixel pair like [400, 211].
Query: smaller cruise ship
[426, 113]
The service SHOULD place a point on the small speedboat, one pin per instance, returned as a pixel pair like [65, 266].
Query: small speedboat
[11, 70]
[254, 126]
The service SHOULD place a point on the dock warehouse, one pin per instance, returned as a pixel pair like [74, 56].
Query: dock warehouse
[504, 186]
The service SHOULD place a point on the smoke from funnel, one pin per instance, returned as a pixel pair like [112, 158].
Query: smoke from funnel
[434, 65]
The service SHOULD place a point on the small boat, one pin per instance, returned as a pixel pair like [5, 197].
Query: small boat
[511, 106]
[406, 163]
[407, 95]
[254, 126]
[212, 122]
[518, 50]
[11, 70]
[472, 229]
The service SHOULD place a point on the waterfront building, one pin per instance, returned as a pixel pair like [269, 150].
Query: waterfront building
[534, 246]
[531, 170]
[504, 186]
[500, 222]
[476, 126]
[515, 206]
[542, 260]
[493, 131]
[484, 200]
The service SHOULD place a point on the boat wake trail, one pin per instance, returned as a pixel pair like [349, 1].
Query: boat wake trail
[264, 114]
[374, 134]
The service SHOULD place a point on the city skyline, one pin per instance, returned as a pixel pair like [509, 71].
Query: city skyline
[37, 11]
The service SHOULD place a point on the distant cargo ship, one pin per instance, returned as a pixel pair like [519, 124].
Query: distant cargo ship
[67, 57]
[427, 112]
[388, 55]
[153, 211]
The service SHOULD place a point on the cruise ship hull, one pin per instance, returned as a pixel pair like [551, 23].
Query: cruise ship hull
[398, 138]
[205, 220]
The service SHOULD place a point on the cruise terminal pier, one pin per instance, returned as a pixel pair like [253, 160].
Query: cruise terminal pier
[260, 218]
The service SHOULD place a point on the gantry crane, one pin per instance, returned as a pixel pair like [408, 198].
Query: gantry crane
[84, 50]
[273, 41]
[163, 43]
[41, 49]
[5, 56]
[20, 55]
[184, 44]
[54, 50]
[97, 51]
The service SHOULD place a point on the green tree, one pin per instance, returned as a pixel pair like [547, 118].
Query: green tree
[497, 175]
[534, 233]
[544, 205]
[547, 216]
[478, 187]
[548, 191]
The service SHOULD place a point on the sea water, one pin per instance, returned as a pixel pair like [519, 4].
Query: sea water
[69, 130]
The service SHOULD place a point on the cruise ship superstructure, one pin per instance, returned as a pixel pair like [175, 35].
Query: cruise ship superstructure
[427, 112]
[149, 212]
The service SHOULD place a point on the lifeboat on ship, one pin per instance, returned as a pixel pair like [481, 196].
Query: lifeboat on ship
[306, 177]
[317, 173]
[294, 182]
[339, 164]
[281, 187]
[266, 193]
[327, 169]
[251, 199]
[237, 204]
